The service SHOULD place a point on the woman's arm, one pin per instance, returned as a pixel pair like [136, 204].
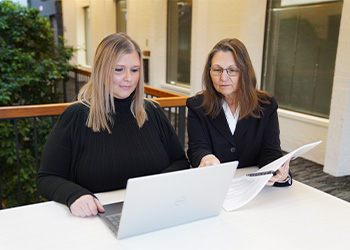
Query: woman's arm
[271, 149]
[171, 142]
[54, 180]
[271, 145]
[198, 142]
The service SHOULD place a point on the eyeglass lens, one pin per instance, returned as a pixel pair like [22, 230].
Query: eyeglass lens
[231, 71]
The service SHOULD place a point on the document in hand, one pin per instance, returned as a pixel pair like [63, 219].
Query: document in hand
[242, 190]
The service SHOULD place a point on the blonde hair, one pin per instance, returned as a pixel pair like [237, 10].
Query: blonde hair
[97, 94]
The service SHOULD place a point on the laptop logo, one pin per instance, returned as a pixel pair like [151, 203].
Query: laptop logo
[180, 201]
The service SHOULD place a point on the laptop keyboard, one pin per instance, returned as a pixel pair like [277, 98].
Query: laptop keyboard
[114, 219]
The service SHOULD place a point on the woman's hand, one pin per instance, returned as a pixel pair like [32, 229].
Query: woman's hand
[282, 174]
[209, 160]
[86, 205]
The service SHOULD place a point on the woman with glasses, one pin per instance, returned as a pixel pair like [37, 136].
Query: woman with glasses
[110, 135]
[232, 120]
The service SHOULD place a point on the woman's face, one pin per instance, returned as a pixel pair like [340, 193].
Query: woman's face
[223, 83]
[126, 75]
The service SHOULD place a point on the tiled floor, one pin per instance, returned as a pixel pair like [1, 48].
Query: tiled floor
[312, 174]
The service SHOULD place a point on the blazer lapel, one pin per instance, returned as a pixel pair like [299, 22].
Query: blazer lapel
[220, 123]
[241, 128]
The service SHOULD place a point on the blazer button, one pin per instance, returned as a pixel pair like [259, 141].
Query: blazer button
[232, 149]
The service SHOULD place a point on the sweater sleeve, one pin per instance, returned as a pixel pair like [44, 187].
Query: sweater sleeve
[62, 148]
[169, 138]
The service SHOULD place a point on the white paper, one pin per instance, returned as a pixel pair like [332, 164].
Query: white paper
[242, 190]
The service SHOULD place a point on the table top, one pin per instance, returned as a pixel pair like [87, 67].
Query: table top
[296, 217]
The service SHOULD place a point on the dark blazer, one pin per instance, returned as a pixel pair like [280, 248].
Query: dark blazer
[254, 142]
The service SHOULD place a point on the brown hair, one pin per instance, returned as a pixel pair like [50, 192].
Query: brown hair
[98, 93]
[248, 97]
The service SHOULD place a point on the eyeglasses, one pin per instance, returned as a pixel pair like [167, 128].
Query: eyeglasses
[231, 71]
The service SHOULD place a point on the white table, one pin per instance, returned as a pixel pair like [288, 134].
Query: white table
[297, 217]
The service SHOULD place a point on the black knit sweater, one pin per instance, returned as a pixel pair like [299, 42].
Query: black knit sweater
[77, 161]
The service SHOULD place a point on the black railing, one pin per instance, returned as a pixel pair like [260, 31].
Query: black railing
[19, 149]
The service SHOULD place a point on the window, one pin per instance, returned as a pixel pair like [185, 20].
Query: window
[121, 16]
[299, 57]
[179, 41]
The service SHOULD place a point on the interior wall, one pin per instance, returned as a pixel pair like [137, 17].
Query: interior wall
[147, 24]
[138, 24]
[102, 21]
[298, 129]
[214, 20]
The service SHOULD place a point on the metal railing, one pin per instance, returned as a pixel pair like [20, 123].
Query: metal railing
[173, 104]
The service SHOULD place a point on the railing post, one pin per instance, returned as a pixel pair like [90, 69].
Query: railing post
[0, 188]
[64, 83]
[36, 151]
[182, 124]
[76, 82]
[18, 166]
[176, 119]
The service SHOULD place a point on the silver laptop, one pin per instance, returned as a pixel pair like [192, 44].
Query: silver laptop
[164, 200]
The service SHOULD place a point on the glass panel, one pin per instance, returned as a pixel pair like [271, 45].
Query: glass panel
[301, 46]
[179, 41]
[121, 16]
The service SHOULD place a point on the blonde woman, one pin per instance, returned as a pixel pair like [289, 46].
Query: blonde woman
[110, 135]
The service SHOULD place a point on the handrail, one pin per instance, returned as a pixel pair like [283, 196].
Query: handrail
[82, 71]
[32, 110]
[160, 92]
[166, 99]
[10, 112]
[171, 101]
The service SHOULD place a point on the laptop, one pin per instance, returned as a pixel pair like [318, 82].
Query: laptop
[164, 200]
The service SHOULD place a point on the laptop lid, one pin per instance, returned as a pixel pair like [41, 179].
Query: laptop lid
[164, 200]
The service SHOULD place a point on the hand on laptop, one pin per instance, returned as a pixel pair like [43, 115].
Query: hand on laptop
[209, 160]
[86, 205]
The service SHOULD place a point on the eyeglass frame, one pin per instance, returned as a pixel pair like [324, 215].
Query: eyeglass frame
[222, 71]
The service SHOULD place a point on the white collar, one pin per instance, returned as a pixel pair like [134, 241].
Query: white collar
[231, 118]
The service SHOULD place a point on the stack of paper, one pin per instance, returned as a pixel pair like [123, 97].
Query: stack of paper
[245, 188]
